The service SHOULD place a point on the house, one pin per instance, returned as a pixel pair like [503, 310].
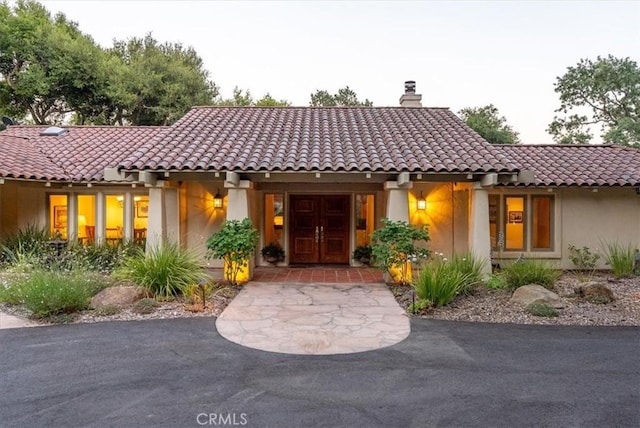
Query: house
[317, 180]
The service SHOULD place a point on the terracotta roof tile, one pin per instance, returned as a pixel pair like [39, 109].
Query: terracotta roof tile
[577, 165]
[80, 154]
[319, 139]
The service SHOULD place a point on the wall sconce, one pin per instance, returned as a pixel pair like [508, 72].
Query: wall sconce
[120, 199]
[422, 202]
[217, 200]
[278, 221]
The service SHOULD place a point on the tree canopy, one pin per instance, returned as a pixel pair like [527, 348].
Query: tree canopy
[344, 97]
[240, 99]
[604, 93]
[51, 72]
[487, 122]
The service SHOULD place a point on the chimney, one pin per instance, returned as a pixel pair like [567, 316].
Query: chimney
[410, 98]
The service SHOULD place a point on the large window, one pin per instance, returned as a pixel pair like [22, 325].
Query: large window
[86, 219]
[273, 218]
[58, 216]
[521, 223]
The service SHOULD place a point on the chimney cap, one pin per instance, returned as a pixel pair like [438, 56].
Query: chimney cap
[410, 86]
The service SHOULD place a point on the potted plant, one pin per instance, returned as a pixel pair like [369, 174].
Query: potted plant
[362, 253]
[273, 253]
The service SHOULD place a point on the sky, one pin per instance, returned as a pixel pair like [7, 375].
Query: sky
[460, 53]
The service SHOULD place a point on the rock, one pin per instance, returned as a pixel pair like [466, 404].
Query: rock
[118, 296]
[533, 293]
[595, 292]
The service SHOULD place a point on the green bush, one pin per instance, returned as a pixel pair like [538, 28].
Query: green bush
[107, 310]
[525, 272]
[439, 282]
[163, 270]
[395, 243]
[541, 310]
[619, 257]
[234, 243]
[585, 262]
[471, 267]
[26, 250]
[50, 293]
[497, 282]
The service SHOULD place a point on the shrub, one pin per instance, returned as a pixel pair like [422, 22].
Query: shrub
[439, 282]
[163, 270]
[419, 306]
[525, 272]
[471, 267]
[619, 257]
[26, 249]
[497, 282]
[584, 261]
[235, 243]
[50, 293]
[145, 306]
[394, 244]
[541, 310]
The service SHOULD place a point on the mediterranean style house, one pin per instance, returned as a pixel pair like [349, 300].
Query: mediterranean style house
[317, 180]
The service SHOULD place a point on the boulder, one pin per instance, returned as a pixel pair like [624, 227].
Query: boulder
[118, 296]
[534, 293]
[595, 292]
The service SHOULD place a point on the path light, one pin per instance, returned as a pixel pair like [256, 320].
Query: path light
[422, 202]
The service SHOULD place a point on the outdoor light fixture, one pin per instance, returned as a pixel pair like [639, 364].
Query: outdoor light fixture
[422, 202]
[217, 200]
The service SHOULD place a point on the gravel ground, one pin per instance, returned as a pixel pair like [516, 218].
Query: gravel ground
[494, 306]
[484, 306]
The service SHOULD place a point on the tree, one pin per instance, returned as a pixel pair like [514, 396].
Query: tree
[48, 68]
[159, 83]
[604, 92]
[344, 97]
[487, 122]
[242, 100]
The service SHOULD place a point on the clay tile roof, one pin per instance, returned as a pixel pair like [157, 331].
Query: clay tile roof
[80, 154]
[319, 139]
[577, 165]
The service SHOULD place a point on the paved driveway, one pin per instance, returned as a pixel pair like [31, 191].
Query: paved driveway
[182, 373]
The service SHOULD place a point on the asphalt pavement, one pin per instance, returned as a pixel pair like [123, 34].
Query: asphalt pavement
[182, 373]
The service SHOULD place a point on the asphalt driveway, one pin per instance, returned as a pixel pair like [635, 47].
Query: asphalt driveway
[182, 373]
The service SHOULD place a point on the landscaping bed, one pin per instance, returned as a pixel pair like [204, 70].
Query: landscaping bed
[493, 305]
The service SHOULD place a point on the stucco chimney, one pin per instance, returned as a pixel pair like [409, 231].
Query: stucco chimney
[410, 98]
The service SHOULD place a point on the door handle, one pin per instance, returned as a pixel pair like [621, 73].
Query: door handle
[321, 233]
[317, 235]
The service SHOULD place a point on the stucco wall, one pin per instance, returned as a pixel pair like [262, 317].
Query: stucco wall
[21, 204]
[446, 214]
[589, 219]
[199, 218]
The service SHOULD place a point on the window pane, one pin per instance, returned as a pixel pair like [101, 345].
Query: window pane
[541, 227]
[140, 218]
[493, 221]
[273, 218]
[114, 218]
[514, 223]
[58, 216]
[364, 215]
[86, 218]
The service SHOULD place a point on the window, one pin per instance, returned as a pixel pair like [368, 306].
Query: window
[86, 219]
[364, 215]
[521, 223]
[114, 219]
[273, 218]
[58, 216]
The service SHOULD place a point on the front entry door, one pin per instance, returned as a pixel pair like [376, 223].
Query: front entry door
[319, 231]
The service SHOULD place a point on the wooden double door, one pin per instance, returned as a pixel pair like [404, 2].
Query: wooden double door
[319, 229]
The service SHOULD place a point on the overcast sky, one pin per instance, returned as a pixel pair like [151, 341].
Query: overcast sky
[461, 54]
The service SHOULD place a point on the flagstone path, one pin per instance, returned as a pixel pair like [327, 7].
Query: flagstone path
[314, 318]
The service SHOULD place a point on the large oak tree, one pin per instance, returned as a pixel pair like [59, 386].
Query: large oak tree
[604, 93]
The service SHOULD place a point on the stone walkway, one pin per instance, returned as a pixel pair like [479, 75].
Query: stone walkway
[314, 319]
[11, 321]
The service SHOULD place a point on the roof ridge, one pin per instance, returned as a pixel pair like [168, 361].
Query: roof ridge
[318, 107]
[92, 126]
